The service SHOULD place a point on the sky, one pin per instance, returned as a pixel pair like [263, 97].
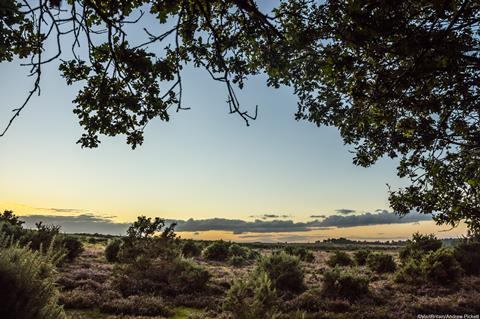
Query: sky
[203, 164]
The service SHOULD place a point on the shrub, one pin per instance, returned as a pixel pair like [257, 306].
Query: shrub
[301, 252]
[79, 299]
[137, 306]
[237, 250]
[361, 256]
[468, 255]
[283, 270]
[253, 254]
[218, 250]
[251, 299]
[112, 250]
[237, 261]
[160, 275]
[441, 266]
[381, 263]
[339, 258]
[419, 245]
[73, 247]
[27, 286]
[190, 249]
[411, 273]
[341, 283]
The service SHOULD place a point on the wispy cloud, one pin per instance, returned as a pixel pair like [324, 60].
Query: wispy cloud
[270, 216]
[318, 216]
[345, 211]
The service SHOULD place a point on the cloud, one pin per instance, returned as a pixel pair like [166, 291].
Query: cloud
[317, 216]
[345, 211]
[90, 223]
[83, 223]
[270, 216]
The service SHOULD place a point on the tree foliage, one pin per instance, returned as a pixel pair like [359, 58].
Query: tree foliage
[397, 78]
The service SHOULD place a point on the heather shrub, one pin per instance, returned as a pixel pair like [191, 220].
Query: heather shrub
[137, 306]
[381, 263]
[361, 256]
[252, 299]
[301, 252]
[338, 282]
[283, 270]
[79, 299]
[419, 245]
[339, 258]
[112, 249]
[190, 249]
[218, 250]
[441, 267]
[27, 286]
[310, 300]
[468, 255]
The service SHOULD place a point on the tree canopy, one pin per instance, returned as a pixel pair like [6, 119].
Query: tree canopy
[397, 78]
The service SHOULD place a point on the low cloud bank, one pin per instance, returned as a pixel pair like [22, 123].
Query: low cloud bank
[89, 223]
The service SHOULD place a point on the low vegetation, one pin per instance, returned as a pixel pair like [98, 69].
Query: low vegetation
[152, 273]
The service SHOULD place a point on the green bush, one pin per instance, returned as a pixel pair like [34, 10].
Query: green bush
[301, 252]
[283, 270]
[441, 267]
[218, 250]
[252, 298]
[186, 275]
[419, 245]
[411, 272]
[340, 283]
[112, 249]
[190, 249]
[339, 258]
[27, 284]
[137, 306]
[468, 255]
[72, 245]
[237, 261]
[361, 256]
[381, 263]
[237, 250]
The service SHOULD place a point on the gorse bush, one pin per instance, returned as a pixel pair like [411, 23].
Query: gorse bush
[441, 267]
[237, 261]
[72, 245]
[27, 284]
[339, 258]
[419, 245]
[190, 249]
[112, 250]
[301, 252]
[381, 263]
[283, 270]
[218, 250]
[252, 299]
[468, 255]
[361, 256]
[341, 283]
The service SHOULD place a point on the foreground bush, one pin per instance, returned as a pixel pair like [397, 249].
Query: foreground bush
[112, 249]
[441, 267]
[381, 263]
[283, 270]
[339, 258]
[468, 255]
[341, 283]
[252, 298]
[27, 288]
[137, 306]
[361, 256]
[411, 273]
[419, 245]
[217, 250]
[237, 261]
